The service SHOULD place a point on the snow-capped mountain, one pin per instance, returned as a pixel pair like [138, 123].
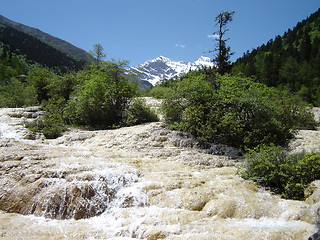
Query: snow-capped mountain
[161, 68]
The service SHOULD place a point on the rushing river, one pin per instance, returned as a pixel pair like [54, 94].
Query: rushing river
[141, 182]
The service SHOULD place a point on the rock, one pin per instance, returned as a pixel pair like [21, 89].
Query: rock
[195, 200]
[315, 236]
[223, 209]
[155, 233]
[80, 136]
[28, 112]
[312, 192]
[182, 139]
[220, 149]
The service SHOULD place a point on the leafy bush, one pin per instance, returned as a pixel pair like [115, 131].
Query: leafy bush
[100, 98]
[17, 94]
[138, 113]
[51, 123]
[234, 110]
[40, 78]
[289, 175]
[159, 92]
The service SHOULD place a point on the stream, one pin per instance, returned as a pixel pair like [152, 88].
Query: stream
[140, 182]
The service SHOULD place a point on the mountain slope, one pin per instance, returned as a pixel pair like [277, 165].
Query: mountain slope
[162, 68]
[36, 50]
[61, 45]
[292, 60]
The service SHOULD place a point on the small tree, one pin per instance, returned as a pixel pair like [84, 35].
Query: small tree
[98, 53]
[223, 54]
[101, 96]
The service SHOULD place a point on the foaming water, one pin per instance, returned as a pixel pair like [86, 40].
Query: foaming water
[134, 183]
[8, 132]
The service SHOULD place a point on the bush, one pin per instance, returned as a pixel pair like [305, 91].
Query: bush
[234, 111]
[51, 123]
[138, 113]
[159, 92]
[289, 175]
[100, 98]
[17, 94]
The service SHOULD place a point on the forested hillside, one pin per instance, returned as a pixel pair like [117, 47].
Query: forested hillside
[291, 60]
[55, 42]
[36, 50]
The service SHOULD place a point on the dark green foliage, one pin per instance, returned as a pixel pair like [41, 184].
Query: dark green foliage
[51, 123]
[52, 120]
[235, 111]
[101, 96]
[159, 92]
[17, 94]
[40, 78]
[14, 91]
[138, 113]
[292, 60]
[289, 175]
[223, 53]
[97, 97]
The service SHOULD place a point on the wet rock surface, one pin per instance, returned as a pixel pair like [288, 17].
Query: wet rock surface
[141, 182]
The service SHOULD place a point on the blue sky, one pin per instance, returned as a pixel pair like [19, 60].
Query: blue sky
[140, 30]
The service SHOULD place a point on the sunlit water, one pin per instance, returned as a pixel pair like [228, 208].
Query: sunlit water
[133, 183]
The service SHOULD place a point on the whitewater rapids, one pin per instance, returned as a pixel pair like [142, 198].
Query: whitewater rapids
[141, 182]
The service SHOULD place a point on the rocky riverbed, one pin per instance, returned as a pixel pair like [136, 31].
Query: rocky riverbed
[141, 182]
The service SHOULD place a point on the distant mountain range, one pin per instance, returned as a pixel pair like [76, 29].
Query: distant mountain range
[53, 52]
[161, 68]
[59, 44]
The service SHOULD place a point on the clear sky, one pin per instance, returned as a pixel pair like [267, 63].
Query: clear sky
[140, 30]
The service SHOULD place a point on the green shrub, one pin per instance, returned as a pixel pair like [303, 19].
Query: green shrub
[100, 98]
[159, 92]
[289, 175]
[234, 110]
[17, 94]
[138, 113]
[51, 123]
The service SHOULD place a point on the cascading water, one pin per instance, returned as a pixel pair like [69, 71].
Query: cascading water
[142, 182]
[64, 195]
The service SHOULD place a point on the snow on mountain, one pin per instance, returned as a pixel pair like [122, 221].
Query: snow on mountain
[161, 68]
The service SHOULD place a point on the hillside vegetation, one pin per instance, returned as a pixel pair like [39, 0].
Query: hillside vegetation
[232, 110]
[37, 51]
[61, 45]
[291, 60]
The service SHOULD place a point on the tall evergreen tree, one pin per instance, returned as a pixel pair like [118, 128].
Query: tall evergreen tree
[223, 53]
[98, 53]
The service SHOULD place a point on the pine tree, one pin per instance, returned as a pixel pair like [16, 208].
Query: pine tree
[223, 53]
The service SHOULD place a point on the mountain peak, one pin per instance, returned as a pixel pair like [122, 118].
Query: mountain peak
[160, 68]
[162, 58]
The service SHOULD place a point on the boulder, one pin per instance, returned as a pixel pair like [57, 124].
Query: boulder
[312, 192]
[315, 236]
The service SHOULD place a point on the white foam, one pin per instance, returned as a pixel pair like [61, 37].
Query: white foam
[8, 132]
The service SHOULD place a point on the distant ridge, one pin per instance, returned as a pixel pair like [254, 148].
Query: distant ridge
[61, 45]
